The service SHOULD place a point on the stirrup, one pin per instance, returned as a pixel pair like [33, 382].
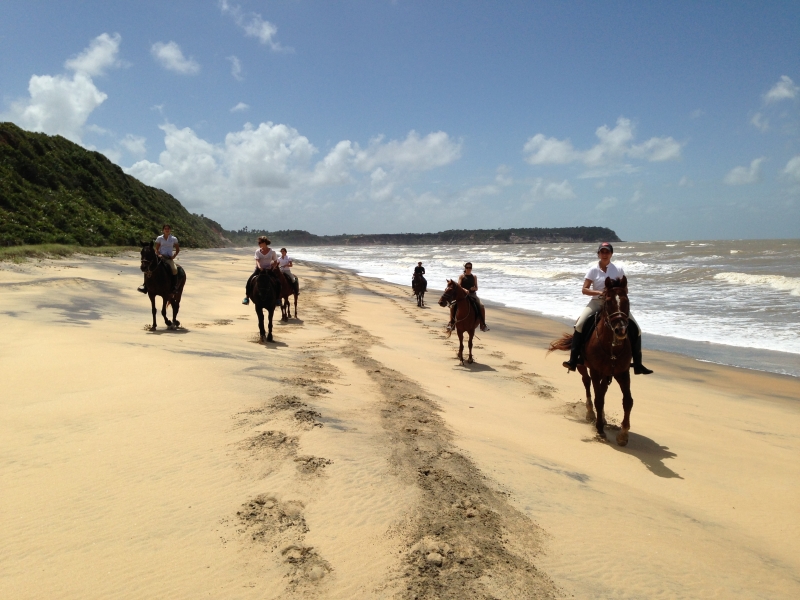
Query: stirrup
[568, 366]
[246, 301]
[450, 326]
[142, 289]
[484, 327]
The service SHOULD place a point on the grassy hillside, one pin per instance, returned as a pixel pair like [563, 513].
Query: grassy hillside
[54, 191]
[531, 235]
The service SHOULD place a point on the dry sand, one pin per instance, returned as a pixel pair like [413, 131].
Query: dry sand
[355, 458]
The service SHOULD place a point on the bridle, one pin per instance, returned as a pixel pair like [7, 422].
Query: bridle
[455, 299]
[149, 265]
[610, 318]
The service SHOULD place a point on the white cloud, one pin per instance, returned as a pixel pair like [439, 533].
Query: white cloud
[171, 57]
[236, 68]
[785, 89]
[697, 113]
[637, 195]
[99, 56]
[542, 150]
[793, 168]
[760, 122]
[685, 182]
[134, 144]
[607, 203]
[614, 146]
[274, 163]
[551, 190]
[241, 107]
[61, 104]
[745, 175]
[253, 24]
[412, 154]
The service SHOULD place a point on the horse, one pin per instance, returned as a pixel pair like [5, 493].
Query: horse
[288, 289]
[419, 284]
[607, 353]
[467, 317]
[158, 282]
[264, 291]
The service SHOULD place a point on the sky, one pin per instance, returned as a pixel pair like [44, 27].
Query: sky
[673, 120]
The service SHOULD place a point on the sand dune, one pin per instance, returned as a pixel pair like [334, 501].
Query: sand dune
[355, 458]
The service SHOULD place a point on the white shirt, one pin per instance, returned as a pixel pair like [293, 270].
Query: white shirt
[283, 262]
[598, 277]
[265, 260]
[166, 247]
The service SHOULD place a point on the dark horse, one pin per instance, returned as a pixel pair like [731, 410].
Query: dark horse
[607, 354]
[264, 290]
[419, 284]
[288, 289]
[467, 316]
[158, 282]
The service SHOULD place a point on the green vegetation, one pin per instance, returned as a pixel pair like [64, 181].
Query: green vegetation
[19, 253]
[535, 235]
[55, 192]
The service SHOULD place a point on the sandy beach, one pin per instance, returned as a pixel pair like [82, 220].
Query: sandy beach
[355, 457]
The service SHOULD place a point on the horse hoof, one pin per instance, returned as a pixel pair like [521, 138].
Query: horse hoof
[269, 338]
[470, 361]
[622, 438]
[177, 324]
[590, 416]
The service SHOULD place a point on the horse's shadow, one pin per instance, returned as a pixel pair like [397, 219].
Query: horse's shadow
[273, 345]
[474, 367]
[291, 321]
[164, 330]
[649, 452]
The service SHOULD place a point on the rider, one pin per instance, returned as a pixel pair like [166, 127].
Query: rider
[469, 282]
[265, 259]
[285, 264]
[165, 244]
[419, 270]
[593, 285]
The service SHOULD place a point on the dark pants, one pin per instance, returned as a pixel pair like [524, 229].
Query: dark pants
[247, 285]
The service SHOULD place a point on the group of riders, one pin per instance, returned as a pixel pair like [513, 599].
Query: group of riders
[168, 248]
[594, 284]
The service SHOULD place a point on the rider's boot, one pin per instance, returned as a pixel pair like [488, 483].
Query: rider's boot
[636, 351]
[574, 352]
[483, 319]
[143, 288]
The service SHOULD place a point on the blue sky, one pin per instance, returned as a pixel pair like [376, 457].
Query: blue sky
[676, 120]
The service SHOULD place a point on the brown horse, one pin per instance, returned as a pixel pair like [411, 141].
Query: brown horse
[467, 318]
[607, 354]
[158, 282]
[288, 289]
[419, 285]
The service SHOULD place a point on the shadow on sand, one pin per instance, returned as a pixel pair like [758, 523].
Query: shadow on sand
[474, 367]
[646, 450]
[162, 330]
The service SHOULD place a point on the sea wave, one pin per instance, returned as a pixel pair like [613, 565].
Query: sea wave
[776, 282]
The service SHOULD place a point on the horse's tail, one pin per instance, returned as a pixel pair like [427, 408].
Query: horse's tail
[562, 343]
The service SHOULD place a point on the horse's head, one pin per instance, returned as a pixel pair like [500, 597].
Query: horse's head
[616, 305]
[267, 283]
[449, 294]
[148, 257]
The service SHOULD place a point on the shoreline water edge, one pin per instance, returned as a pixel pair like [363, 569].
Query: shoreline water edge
[734, 303]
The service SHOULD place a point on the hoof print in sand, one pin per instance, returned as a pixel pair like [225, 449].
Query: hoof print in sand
[310, 465]
[308, 417]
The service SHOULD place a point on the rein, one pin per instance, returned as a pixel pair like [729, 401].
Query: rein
[608, 318]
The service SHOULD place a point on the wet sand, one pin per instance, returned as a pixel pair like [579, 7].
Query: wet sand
[354, 457]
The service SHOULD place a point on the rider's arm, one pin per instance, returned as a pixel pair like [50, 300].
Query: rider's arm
[158, 247]
[291, 264]
[587, 289]
[258, 265]
[475, 287]
[177, 249]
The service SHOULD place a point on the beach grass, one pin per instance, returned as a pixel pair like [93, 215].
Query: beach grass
[21, 253]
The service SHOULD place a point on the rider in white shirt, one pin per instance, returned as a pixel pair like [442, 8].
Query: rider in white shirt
[265, 259]
[594, 285]
[167, 248]
[285, 264]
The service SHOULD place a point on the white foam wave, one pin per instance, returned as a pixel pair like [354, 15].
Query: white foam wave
[776, 282]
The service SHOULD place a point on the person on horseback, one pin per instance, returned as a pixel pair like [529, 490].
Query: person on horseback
[594, 285]
[166, 244]
[419, 271]
[285, 264]
[265, 259]
[469, 282]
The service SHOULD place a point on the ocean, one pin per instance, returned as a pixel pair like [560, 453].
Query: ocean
[734, 302]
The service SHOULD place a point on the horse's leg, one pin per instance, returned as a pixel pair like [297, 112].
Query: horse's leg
[469, 344]
[600, 388]
[164, 313]
[295, 306]
[587, 384]
[269, 331]
[624, 381]
[460, 345]
[176, 306]
[155, 310]
[260, 314]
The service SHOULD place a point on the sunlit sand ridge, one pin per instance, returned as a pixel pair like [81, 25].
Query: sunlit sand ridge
[354, 458]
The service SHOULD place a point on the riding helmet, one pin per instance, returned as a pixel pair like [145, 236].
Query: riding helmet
[606, 246]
